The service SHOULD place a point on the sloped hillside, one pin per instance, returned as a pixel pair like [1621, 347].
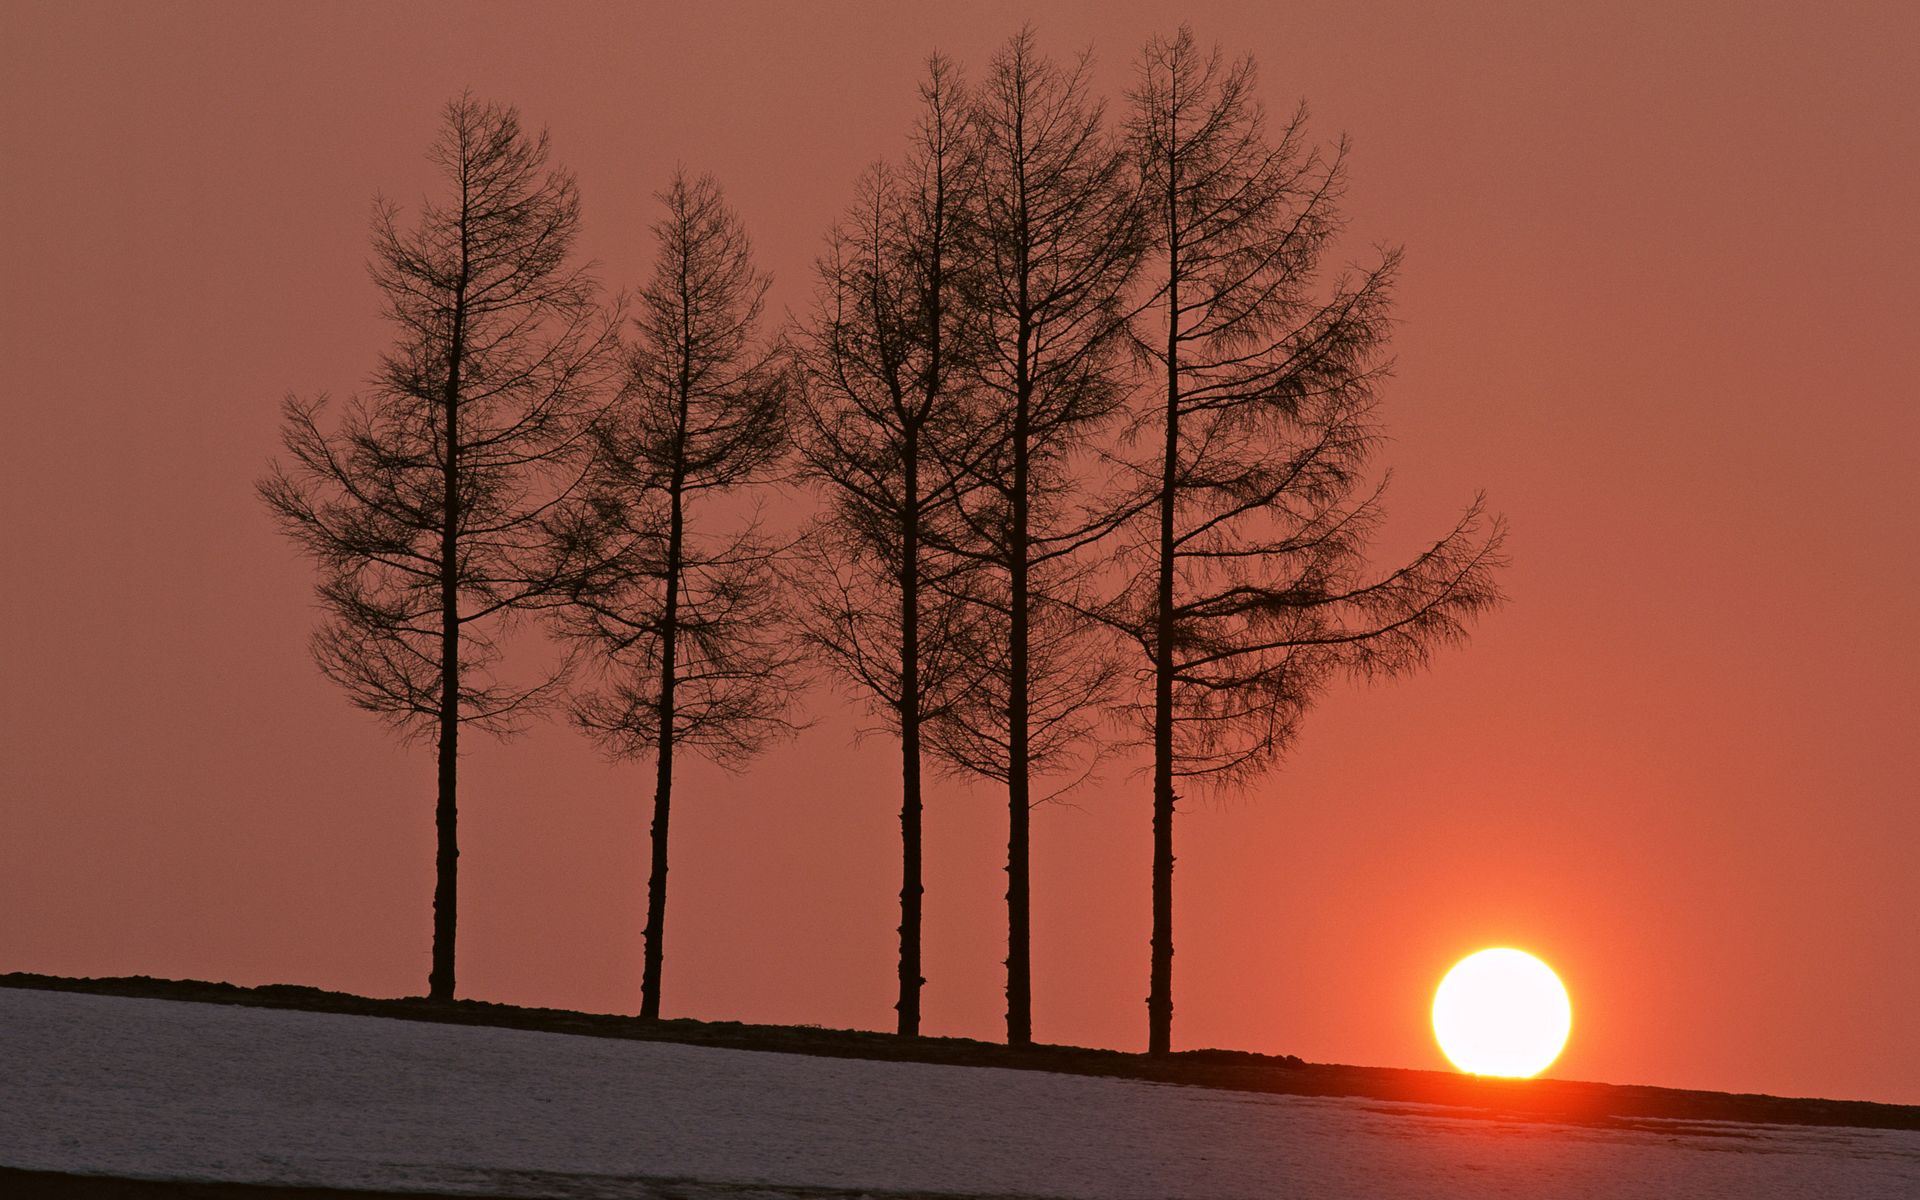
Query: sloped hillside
[157, 1089]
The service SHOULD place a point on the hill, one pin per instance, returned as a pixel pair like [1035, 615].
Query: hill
[289, 1094]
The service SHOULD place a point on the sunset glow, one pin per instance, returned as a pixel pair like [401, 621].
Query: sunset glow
[1644, 279]
[1501, 1012]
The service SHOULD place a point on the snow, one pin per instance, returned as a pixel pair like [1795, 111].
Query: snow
[168, 1090]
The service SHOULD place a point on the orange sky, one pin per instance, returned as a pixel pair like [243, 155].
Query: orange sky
[1659, 300]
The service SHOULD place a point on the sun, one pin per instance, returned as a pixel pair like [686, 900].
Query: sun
[1501, 1012]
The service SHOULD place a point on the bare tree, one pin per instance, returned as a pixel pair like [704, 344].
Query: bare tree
[1057, 233]
[432, 505]
[885, 420]
[1252, 591]
[683, 610]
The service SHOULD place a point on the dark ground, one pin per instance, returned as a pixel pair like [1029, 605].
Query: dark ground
[52, 1185]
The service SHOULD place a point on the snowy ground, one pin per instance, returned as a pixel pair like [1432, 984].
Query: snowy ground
[168, 1090]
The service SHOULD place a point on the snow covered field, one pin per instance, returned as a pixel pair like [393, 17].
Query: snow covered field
[168, 1090]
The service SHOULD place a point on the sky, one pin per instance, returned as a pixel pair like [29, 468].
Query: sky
[1658, 301]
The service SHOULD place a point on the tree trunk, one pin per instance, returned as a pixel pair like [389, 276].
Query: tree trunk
[1019, 952]
[1019, 956]
[1160, 993]
[663, 761]
[1019, 805]
[908, 1006]
[446, 863]
[446, 884]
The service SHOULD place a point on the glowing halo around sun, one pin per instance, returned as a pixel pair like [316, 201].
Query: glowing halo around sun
[1501, 1012]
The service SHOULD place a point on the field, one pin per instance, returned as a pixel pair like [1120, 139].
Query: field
[263, 1089]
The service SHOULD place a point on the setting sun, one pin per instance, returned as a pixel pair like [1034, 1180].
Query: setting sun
[1501, 1012]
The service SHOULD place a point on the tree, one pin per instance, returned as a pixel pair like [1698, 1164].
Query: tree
[683, 608]
[884, 422]
[432, 505]
[1057, 234]
[1252, 592]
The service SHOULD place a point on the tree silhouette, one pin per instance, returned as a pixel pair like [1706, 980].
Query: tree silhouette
[683, 607]
[1056, 231]
[885, 423]
[1250, 591]
[433, 504]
